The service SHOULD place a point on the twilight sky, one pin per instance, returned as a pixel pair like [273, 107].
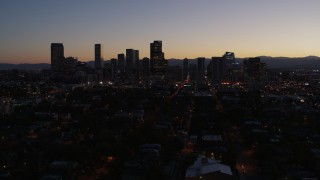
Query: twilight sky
[188, 28]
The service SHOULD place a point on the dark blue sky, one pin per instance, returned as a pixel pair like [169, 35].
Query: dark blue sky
[188, 28]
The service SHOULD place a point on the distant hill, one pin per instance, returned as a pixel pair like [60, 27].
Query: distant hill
[285, 62]
[6, 66]
[272, 62]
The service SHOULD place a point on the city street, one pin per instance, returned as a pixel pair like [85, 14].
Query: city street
[246, 166]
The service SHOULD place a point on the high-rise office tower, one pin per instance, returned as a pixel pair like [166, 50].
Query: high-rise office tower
[98, 56]
[136, 55]
[201, 70]
[158, 63]
[132, 56]
[185, 69]
[210, 70]
[229, 60]
[137, 64]
[201, 63]
[57, 56]
[216, 69]
[129, 61]
[155, 52]
[192, 72]
[121, 62]
[114, 65]
[229, 56]
[254, 69]
[224, 68]
[145, 67]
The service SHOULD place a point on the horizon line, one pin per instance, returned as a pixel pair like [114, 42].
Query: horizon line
[173, 59]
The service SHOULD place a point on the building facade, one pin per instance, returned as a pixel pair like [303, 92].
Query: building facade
[201, 70]
[185, 69]
[57, 56]
[157, 60]
[98, 56]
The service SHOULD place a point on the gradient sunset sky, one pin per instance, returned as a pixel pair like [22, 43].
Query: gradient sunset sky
[188, 28]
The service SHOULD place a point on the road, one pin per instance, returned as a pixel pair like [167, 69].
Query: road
[247, 166]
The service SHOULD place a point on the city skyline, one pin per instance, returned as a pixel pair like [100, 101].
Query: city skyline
[188, 29]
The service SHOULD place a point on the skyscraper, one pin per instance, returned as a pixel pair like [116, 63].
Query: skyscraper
[155, 52]
[228, 60]
[132, 60]
[224, 68]
[185, 69]
[158, 63]
[254, 69]
[114, 65]
[201, 69]
[216, 69]
[98, 56]
[137, 64]
[57, 56]
[121, 62]
[229, 57]
[129, 61]
[145, 67]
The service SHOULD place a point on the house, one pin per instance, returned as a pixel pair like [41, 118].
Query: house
[207, 168]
